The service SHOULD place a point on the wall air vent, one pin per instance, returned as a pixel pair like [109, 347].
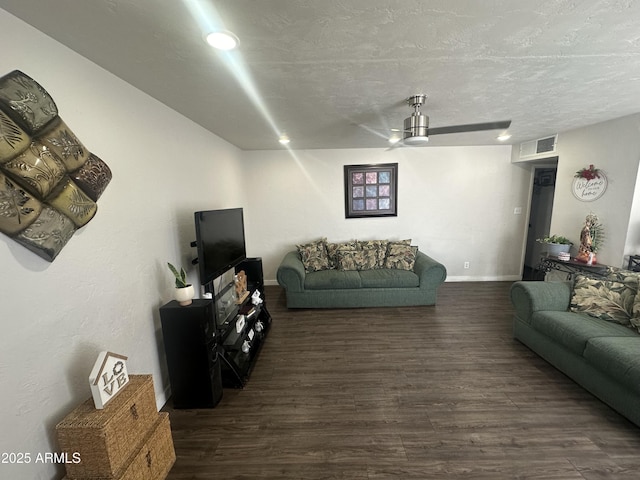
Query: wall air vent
[541, 148]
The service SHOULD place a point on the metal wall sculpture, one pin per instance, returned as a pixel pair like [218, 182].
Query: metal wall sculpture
[49, 181]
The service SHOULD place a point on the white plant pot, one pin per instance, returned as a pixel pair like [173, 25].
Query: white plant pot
[553, 249]
[184, 296]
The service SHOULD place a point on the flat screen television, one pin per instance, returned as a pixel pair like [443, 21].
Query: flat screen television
[220, 241]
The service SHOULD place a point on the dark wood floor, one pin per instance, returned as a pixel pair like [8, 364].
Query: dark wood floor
[438, 392]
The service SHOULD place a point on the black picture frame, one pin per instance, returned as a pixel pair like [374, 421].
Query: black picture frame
[371, 190]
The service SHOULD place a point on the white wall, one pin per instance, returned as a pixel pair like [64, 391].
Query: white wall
[104, 289]
[614, 147]
[456, 203]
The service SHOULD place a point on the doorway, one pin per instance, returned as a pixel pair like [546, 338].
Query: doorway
[542, 193]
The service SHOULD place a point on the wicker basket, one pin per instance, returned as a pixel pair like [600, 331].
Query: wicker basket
[156, 456]
[106, 439]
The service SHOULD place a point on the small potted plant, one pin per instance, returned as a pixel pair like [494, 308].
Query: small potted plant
[184, 290]
[556, 244]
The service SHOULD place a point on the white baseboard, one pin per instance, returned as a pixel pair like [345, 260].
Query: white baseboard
[161, 400]
[489, 278]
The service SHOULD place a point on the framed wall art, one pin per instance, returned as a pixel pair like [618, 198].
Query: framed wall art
[371, 190]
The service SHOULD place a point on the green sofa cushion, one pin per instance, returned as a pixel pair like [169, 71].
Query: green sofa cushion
[332, 279]
[617, 357]
[389, 278]
[573, 330]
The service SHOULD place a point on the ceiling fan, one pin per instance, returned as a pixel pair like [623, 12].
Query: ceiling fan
[416, 127]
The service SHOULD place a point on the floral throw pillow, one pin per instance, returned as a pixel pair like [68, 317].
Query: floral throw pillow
[400, 255]
[629, 278]
[379, 247]
[332, 251]
[632, 281]
[314, 255]
[605, 299]
[357, 259]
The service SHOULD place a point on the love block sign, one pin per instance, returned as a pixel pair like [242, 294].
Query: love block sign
[108, 377]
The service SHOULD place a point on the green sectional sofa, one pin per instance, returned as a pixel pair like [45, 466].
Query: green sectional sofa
[375, 287]
[581, 339]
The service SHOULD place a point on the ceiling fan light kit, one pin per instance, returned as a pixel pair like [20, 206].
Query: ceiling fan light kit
[416, 126]
[416, 140]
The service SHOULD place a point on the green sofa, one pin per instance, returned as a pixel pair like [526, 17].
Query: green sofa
[601, 355]
[381, 287]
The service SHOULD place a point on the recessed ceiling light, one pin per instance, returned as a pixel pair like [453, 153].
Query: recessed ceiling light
[284, 139]
[394, 138]
[504, 137]
[222, 40]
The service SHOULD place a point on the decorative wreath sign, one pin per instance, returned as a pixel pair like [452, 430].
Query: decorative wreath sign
[589, 184]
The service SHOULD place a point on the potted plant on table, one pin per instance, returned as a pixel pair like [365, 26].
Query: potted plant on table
[184, 290]
[556, 244]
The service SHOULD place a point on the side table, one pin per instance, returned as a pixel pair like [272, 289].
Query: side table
[571, 267]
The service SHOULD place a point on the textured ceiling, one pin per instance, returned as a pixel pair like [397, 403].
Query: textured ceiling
[335, 73]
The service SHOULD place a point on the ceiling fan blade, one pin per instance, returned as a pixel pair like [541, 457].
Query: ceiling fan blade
[395, 145]
[471, 127]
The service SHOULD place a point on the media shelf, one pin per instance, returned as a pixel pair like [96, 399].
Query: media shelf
[214, 343]
[241, 337]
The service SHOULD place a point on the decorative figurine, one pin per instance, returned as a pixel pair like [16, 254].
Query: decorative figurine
[240, 281]
[590, 239]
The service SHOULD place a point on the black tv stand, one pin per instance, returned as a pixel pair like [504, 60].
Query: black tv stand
[205, 347]
[242, 330]
[192, 353]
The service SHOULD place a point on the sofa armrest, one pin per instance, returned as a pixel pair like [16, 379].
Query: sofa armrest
[430, 271]
[530, 297]
[291, 273]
